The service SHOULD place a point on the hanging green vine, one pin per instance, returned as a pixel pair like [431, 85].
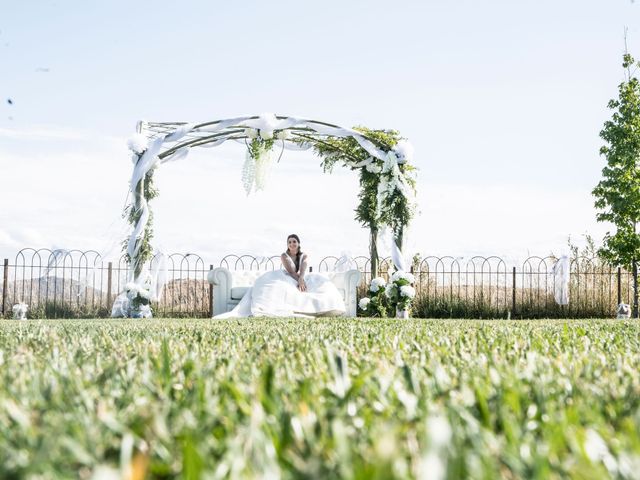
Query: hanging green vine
[397, 211]
[133, 214]
[259, 146]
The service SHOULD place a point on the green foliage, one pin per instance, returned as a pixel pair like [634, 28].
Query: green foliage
[259, 146]
[139, 301]
[378, 306]
[66, 309]
[394, 294]
[321, 398]
[618, 193]
[396, 212]
[589, 251]
[145, 252]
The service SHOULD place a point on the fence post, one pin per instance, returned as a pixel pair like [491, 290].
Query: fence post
[513, 293]
[5, 278]
[619, 286]
[635, 289]
[210, 296]
[109, 277]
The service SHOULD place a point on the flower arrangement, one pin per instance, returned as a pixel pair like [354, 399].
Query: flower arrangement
[258, 160]
[382, 158]
[399, 291]
[374, 305]
[139, 300]
[20, 311]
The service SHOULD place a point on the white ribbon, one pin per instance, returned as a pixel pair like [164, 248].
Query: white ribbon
[345, 263]
[215, 144]
[363, 163]
[388, 242]
[230, 122]
[177, 155]
[179, 132]
[146, 162]
[561, 273]
[159, 274]
[134, 246]
[396, 256]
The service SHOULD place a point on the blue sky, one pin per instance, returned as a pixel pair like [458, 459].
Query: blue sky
[502, 100]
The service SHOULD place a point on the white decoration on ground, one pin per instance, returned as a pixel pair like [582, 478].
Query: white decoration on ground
[20, 311]
[120, 307]
[623, 310]
[139, 297]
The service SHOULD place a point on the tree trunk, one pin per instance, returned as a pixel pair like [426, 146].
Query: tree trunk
[635, 288]
[373, 251]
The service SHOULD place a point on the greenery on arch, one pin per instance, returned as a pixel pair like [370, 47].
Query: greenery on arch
[381, 157]
[396, 209]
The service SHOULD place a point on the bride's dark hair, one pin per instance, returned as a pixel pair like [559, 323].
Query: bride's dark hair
[299, 254]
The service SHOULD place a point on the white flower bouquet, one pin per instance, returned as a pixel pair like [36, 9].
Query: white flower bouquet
[399, 291]
[377, 284]
[139, 300]
[20, 311]
[374, 304]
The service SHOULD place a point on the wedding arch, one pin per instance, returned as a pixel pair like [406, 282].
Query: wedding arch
[381, 157]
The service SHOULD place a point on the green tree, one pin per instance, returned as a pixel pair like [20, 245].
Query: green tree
[618, 193]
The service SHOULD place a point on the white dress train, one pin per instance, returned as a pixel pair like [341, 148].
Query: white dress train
[276, 294]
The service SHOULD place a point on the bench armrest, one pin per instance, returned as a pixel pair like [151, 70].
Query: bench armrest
[221, 280]
[351, 282]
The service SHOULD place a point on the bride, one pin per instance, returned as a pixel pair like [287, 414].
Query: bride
[290, 292]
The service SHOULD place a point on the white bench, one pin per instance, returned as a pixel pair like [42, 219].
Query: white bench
[229, 287]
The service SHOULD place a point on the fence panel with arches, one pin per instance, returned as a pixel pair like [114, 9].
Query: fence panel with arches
[80, 284]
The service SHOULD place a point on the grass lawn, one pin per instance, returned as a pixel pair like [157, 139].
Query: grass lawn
[330, 398]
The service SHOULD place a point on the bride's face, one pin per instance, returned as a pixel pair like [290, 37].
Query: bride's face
[292, 245]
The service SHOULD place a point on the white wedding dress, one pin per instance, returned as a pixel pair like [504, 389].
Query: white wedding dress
[276, 294]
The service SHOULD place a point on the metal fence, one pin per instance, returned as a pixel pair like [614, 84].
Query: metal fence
[80, 284]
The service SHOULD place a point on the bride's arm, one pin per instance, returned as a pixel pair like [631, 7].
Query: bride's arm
[302, 286]
[303, 265]
[288, 266]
